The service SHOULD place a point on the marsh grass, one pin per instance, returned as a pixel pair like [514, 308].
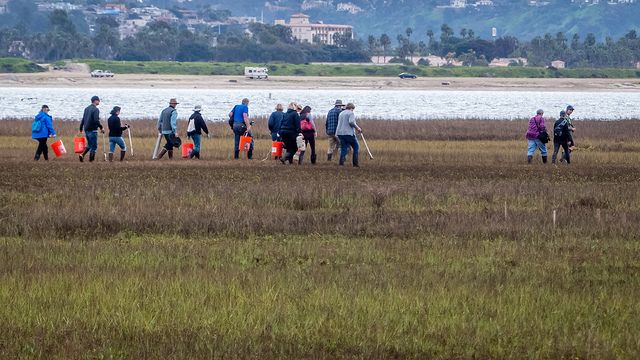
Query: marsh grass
[435, 249]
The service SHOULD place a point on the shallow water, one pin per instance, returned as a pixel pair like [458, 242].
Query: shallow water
[66, 103]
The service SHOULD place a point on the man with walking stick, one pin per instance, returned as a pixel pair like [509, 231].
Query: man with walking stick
[90, 124]
[346, 132]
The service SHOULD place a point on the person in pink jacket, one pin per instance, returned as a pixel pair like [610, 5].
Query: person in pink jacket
[536, 127]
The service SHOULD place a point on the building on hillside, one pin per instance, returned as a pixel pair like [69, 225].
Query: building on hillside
[434, 61]
[558, 64]
[3, 6]
[315, 4]
[349, 7]
[242, 20]
[504, 62]
[305, 31]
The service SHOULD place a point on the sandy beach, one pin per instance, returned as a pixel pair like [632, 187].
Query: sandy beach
[70, 79]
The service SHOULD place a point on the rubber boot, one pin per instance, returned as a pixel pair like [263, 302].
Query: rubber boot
[341, 163]
[329, 156]
[92, 156]
[356, 163]
[313, 159]
[529, 158]
[84, 153]
[164, 151]
[122, 154]
[110, 157]
[37, 157]
[250, 154]
[236, 154]
[198, 155]
[45, 155]
[170, 154]
[192, 154]
[544, 159]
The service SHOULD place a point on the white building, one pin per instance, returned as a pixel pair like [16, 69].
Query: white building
[349, 7]
[558, 64]
[504, 62]
[305, 31]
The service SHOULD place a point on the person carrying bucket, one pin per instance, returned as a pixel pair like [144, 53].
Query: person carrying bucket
[241, 127]
[289, 130]
[115, 134]
[330, 128]
[346, 131]
[90, 124]
[274, 121]
[41, 130]
[194, 130]
[168, 127]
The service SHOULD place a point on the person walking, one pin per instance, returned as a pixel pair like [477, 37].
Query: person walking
[194, 130]
[561, 136]
[274, 121]
[569, 110]
[241, 126]
[41, 130]
[289, 130]
[346, 131]
[115, 134]
[168, 127]
[536, 127]
[330, 128]
[309, 133]
[90, 124]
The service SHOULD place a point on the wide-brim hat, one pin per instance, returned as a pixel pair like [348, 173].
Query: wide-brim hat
[173, 101]
[338, 103]
[197, 108]
[177, 142]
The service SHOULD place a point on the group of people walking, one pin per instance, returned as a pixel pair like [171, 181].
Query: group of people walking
[538, 137]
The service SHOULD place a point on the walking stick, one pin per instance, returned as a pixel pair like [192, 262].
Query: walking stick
[155, 149]
[104, 147]
[366, 146]
[130, 143]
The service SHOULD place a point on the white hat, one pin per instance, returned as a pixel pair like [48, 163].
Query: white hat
[197, 108]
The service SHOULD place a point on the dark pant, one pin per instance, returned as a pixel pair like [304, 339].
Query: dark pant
[169, 145]
[347, 141]
[239, 129]
[310, 140]
[565, 147]
[290, 145]
[42, 149]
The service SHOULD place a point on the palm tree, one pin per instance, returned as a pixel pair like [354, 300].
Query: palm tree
[385, 41]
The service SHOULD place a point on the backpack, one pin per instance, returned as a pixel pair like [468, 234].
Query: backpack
[306, 125]
[191, 128]
[558, 130]
[36, 126]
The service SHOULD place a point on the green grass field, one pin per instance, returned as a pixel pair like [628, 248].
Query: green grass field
[281, 69]
[18, 65]
[441, 247]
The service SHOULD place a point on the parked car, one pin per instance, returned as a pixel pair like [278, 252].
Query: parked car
[407, 76]
[101, 73]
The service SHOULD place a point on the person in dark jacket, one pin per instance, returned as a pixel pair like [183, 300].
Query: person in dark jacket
[309, 133]
[115, 134]
[289, 130]
[194, 130]
[274, 121]
[41, 130]
[561, 137]
[90, 124]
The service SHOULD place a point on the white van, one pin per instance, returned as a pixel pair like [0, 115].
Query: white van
[256, 72]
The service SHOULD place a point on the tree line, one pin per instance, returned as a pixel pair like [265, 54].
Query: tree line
[263, 43]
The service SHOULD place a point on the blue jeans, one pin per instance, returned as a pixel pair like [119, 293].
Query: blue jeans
[536, 144]
[92, 141]
[115, 140]
[196, 142]
[347, 141]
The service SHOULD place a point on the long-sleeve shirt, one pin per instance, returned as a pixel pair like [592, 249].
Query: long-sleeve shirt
[561, 130]
[290, 123]
[46, 127]
[536, 126]
[90, 119]
[198, 124]
[115, 126]
[171, 126]
[346, 123]
[274, 121]
[332, 120]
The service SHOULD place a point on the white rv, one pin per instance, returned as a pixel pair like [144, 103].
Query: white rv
[256, 72]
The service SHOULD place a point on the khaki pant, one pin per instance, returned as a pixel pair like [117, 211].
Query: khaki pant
[334, 144]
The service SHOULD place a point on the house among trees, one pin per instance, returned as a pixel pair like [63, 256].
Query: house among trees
[504, 62]
[305, 31]
[558, 64]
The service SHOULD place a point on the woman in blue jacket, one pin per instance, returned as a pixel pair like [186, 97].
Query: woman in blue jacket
[41, 130]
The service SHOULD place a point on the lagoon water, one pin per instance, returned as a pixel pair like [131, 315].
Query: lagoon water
[68, 103]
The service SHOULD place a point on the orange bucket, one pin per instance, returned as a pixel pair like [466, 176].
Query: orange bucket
[245, 143]
[58, 148]
[186, 150]
[276, 148]
[79, 144]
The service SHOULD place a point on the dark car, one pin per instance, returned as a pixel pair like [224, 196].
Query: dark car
[407, 76]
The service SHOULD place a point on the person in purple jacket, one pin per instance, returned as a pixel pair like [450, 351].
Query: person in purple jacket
[536, 127]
